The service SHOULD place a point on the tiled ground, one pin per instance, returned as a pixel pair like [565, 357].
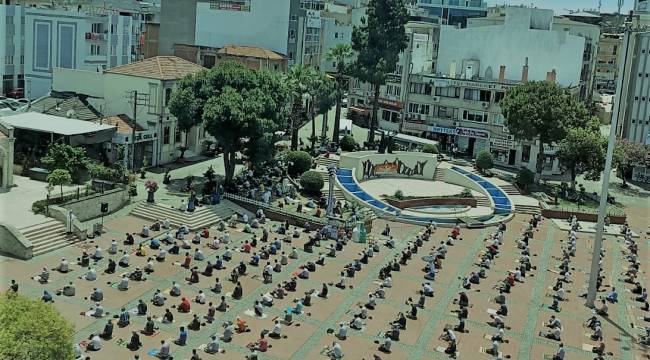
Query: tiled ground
[307, 337]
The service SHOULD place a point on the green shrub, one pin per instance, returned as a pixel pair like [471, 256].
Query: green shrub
[467, 193]
[484, 160]
[32, 329]
[525, 178]
[399, 195]
[430, 149]
[348, 143]
[299, 162]
[311, 181]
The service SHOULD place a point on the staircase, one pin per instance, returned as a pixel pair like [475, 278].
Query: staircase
[439, 175]
[510, 189]
[202, 217]
[326, 161]
[528, 209]
[482, 201]
[48, 236]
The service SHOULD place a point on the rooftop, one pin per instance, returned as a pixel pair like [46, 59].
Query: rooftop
[53, 124]
[250, 51]
[159, 67]
[123, 123]
[65, 105]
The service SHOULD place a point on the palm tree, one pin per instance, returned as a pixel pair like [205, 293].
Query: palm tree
[303, 81]
[340, 54]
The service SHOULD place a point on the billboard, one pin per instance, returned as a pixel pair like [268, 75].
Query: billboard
[231, 5]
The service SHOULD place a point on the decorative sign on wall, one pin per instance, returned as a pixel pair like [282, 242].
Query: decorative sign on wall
[231, 5]
[394, 168]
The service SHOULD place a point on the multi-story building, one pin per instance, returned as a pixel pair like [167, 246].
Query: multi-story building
[607, 61]
[455, 12]
[454, 98]
[75, 34]
[253, 57]
[590, 32]
[154, 79]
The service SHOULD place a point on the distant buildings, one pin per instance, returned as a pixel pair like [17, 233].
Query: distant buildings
[41, 38]
[454, 12]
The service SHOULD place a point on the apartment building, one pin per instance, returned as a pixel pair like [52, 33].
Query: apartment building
[454, 12]
[154, 79]
[590, 32]
[607, 61]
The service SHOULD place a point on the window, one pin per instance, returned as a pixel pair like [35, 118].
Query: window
[445, 112]
[393, 90]
[498, 119]
[498, 96]
[153, 98]
[478, 95]
[22, 59]
[525, 153]
[475, 116]
[336, 35]
[166, 135]
[177, 134]
[614, 49]
[419, 109]
[453, 92]
[96, 28]
[385, 115]
[290, 55]
[113, 29]
[113, 49]
[421, 88]
[294, 18]
[95, 50]
[292, 34]
[168, 95]
[9, 60]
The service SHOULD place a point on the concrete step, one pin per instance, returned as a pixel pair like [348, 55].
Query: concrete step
[528, 209]
[321, 160]
[482, 201]
[200, 218]
[439, 175]
[39, 228]
[48, 236]
[61, 242]
[510, 189]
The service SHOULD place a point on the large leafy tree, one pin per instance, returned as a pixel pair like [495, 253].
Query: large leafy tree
[627, 154]
[377, 43]
[583, 151]
[302, 81]
[31, 329]
[59, 177]
[340, 55]
[326, 98]
[539, 110]
[245, 109]
[66, 157]
[187, 101]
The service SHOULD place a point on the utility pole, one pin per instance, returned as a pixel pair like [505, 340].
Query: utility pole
[594, 273]
[136, 99]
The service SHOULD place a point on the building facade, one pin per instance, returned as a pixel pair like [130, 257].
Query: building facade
[154, 79]
[607, 61]
[454, 12]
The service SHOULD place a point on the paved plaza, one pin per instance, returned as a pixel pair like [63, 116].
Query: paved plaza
[310, 332]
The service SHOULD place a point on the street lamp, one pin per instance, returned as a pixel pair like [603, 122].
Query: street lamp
[330, 197]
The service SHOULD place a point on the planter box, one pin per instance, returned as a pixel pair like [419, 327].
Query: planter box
[38, 174]
[409, 203]
[564, 214]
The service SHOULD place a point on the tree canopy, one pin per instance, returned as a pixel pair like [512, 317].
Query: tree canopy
[539, 110]
[627, 154]
[59, 177]
[187, 101]
[340, 54]
[583, 151]
[66, 157]
[31, 329]
[245, 108]
[377, 43]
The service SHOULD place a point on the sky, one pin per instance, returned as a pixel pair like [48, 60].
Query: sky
[560, 5]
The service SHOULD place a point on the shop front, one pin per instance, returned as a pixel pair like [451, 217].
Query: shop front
[471, 141]
[503, 151]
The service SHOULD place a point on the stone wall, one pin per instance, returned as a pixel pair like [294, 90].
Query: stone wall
[563, 214]
[409, 203]
[88, 208]
[370, 164]
[14, 243]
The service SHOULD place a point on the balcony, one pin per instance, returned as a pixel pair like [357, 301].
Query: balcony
[96, 36]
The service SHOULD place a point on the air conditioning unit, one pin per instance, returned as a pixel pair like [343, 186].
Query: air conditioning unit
[511, 137]
[505, 129]
[485, 105]
[435, 99]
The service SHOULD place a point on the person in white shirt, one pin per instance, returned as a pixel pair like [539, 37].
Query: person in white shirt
[276, 333]
[124, 283]
[98, 255]
[200, 298]
[113, 248]
[213, 345]
[166, 223]
[95, 343]
[64, 266]
[124, 261]
[343, 331]
[91, 275]
[267, 299]
[163, 353]
[559, 354]
[336, 350]
[388, 282]
[198, 255]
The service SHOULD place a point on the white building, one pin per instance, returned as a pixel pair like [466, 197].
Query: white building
[153, 79]
[74, 38]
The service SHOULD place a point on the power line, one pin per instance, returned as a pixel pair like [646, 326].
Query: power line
[137, 99]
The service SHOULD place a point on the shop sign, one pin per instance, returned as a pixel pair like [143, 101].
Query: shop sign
[502, 143]
[390, 103]
[473, 133]
[231, 5]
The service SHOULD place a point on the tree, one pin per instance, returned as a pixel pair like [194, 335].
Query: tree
[378, 42]
[311, 181]
[186, 106]
[299, 162]
[244, 109]
[348, 143]
[627, 154]
[59, 177]
[430, 149]
[582, 151]
[326, 98]
[66, 157]
[539, 110]
[525, 178]
[484, 161]
[340, 54]
[301, 81]
[32, 329]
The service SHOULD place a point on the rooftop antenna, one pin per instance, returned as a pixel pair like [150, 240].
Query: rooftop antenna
[600, 5]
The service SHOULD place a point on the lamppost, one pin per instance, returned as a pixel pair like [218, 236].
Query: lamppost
[330, 197]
